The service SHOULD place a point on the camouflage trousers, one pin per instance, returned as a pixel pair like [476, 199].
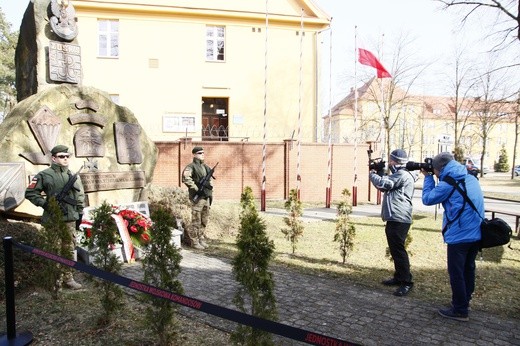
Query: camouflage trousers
[69, 248]
[199, 220]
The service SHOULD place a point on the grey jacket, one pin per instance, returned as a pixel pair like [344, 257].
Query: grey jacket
[398, 191]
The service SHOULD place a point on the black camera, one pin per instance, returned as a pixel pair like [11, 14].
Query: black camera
[377, 165]
[426, 165]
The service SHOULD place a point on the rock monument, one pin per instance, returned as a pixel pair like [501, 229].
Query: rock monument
[115, 154]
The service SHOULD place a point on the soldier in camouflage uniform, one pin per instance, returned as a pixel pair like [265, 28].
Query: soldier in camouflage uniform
[191, 176]
[51, 182]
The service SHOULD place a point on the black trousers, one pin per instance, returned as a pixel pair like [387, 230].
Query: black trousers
[396, 233]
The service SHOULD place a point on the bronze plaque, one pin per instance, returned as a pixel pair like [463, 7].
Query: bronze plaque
[64, 62]
[104, 181]
[128, 147]
[88, 141]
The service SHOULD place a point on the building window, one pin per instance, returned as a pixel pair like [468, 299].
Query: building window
[215, 38]
[108, 33]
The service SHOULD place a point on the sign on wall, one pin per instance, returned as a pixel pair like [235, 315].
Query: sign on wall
[179, 122]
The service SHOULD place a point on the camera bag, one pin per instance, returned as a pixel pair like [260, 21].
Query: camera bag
[494, 232]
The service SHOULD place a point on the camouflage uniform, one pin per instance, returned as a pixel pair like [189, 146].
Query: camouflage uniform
[51, 182]
[191, 175]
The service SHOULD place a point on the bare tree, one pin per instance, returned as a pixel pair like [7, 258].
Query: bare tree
[394, 99]
[461, 83]
[507, 15]
[491, 107]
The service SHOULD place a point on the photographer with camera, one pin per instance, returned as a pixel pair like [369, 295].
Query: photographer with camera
[396, 211]
[460, 226]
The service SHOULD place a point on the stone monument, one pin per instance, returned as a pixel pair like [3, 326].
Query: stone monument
[116, 156]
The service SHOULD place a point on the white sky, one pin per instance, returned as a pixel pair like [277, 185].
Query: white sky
[435, 32]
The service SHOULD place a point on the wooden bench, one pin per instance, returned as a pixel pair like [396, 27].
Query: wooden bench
[516, 214]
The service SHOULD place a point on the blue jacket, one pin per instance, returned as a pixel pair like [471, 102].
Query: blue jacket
[466, 228]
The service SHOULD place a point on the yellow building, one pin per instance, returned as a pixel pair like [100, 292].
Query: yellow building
[423, 125]
[207, 69]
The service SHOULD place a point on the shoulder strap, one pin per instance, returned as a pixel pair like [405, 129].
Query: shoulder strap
[456, 186]
[454, 183]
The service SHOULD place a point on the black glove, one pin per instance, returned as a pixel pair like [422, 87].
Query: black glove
[45, 205]
[78, 221]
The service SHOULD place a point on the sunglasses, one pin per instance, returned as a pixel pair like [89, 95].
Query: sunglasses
[200, 153]
[63, 156]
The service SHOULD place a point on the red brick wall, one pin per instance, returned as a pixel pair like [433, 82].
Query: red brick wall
[240, 165]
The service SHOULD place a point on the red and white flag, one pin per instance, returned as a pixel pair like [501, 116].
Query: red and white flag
[369, 59]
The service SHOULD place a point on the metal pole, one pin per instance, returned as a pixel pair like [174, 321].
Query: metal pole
[9, 288]
[264, 144]
[11, 338]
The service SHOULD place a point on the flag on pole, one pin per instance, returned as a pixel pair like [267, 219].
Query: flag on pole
[369, 59]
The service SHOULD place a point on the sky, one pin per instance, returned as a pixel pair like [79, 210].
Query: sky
[377, 25]
[434, 34]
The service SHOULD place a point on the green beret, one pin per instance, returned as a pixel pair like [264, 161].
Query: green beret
[197, 149]
[59, 149]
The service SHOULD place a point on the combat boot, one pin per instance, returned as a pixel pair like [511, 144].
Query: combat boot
[72, 284]
[196, 245]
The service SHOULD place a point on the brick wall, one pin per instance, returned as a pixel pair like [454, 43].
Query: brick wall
[240, 165]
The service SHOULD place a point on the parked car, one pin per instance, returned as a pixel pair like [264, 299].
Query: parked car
[473, 165]
[517, 170]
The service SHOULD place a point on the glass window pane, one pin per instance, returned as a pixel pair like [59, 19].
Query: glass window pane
[102, 45]
[102, 25]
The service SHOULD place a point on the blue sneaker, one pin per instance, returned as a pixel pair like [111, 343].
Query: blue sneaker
[449, 313]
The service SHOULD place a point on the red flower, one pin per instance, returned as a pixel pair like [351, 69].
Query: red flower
[137, 225]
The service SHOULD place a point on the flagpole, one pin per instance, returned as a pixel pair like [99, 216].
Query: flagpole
[383, 128]
[298, 175]
[328, 189]
[354, 187]
[264, 144]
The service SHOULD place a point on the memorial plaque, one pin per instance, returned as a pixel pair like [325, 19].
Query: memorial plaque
[90, 104]
[63, 19]
[88, 142]
[128, 147]
[84, 118]
[64, 62]
[105, 181]
[12, 185]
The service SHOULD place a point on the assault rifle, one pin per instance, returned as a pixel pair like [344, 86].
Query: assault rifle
[63, 195]
[203, 183]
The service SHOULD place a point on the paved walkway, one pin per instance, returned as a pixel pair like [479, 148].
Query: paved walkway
[339, 308]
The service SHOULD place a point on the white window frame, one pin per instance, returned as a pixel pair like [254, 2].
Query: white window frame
[110, 35]
[215, 43]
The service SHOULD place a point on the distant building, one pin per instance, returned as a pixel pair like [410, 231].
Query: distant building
[423, 125]
[200, 69]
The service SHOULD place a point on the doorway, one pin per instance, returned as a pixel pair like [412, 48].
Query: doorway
[215, 119]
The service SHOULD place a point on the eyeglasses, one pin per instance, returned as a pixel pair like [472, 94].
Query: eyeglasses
[63, 156]
[200, 153]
